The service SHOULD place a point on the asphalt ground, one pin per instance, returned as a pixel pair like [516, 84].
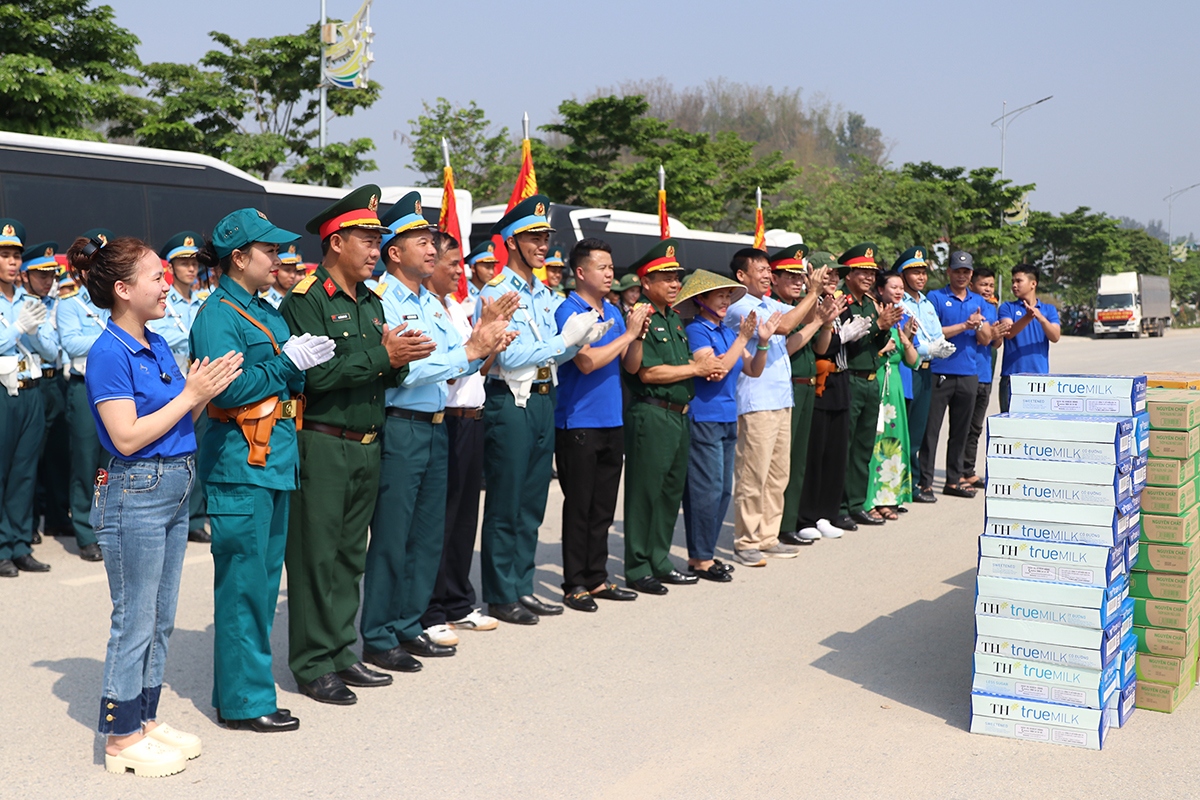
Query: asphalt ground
[842, 673]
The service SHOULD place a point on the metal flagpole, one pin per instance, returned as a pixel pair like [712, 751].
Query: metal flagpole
[323, 87]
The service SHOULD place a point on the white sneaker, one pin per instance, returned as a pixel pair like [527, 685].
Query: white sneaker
[476, 621]
[809, 534]
[441, 634]
[828, 530]
[186, 743]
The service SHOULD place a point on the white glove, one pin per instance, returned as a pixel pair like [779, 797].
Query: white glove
[941, 348]
[307, 351]
[597, 332]
[854, 330]
[577, 328]
[32, 315]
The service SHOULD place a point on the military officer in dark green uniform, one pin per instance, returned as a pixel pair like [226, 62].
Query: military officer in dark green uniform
[789, 280]
[858, 269]
[339, 451]
[660, 371]
[518, 415]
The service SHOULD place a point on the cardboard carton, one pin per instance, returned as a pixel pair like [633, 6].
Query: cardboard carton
[1106, 641]
[1106, 601]
[1116, 432]
[1166, 669]
[1172, 380]
[1140, 475]
[1013, 469]
[1023, 650]
[1172, 500]
[1066, 686]
[1127, 658]
[1171, 529]
[1058, 404]
[1122, 704]
[1165, 697]
[1039, 713]
[1095, 618]
[1166, 641]
[1170, 557]
[1163, 585]
[1096, 535]
[1063, 492]
[1117, 518]
[1170, 471]
[1106, 394]
[1060, 557]
[1054, 450]
[1152, 613]
[1133, 548]
[1011, 729]
[1175, 444]
[1141, 433]
[1173, 411]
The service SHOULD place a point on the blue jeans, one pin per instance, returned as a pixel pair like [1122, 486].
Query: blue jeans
[709, 486]
[141, 521]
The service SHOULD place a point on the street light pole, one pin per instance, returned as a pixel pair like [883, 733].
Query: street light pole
[1170, 201]
[1005, 118]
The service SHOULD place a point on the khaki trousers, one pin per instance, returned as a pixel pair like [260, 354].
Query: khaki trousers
[761, 464]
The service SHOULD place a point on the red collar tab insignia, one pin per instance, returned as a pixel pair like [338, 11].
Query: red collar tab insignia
[329, 286]
[540, 210]
[189, 241]
[417, 207]
[261, 215]
[373, 204]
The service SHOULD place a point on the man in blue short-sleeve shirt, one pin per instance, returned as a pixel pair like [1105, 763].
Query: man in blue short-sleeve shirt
[589, 445]
[956, 377]
[1031, 327]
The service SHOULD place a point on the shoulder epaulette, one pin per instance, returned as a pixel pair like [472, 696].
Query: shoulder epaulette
[304, 285]
[379, 288]
[497, 280]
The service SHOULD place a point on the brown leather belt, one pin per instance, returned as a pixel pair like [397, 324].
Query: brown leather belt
[433, 418]
[28, 383]
[805, 381]
[341, 433]
[678, 409]
[466, 413]
[865, 374]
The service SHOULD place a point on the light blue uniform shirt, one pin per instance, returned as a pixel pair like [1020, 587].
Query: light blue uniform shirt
[538, 342]
[273, 296]
[51, 304]
[176, 325]
[80, 324]
[424, 388]
[772, 390]
[930, 326]
[44, 343]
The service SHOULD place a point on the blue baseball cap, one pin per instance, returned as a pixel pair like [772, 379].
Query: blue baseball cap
[246, 226]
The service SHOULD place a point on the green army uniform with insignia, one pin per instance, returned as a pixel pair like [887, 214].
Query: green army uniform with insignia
[339, 474]
[658, 436]
[862, 364]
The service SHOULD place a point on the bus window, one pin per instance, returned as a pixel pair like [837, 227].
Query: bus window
[65, 207]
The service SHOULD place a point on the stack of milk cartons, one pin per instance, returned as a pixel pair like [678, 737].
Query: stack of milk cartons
[1054, 648]
[1166, 614]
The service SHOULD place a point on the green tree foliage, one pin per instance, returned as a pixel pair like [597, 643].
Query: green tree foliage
[64, 68]
[254, 104]
[484, 162]
[1074, 249]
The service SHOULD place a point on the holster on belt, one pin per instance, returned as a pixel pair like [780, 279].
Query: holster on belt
[823, 369]
[257, 420]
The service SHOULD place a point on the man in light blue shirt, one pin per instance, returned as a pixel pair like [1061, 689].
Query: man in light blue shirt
[914, 268]
[408, 529]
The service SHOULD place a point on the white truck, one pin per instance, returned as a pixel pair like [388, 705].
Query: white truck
[1132, 303]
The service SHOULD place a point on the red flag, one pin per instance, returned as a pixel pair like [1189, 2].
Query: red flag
[664, 222]
[760, 230]
[448, 223]
[524, 188]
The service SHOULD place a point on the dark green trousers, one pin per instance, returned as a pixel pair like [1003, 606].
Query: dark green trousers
[656, 456]
[52, 499]
[407, 532]
[327, 550]
[864, 419]
[249, 533]
[517, 465]
[803, 396]
[87, 456]
[22, 428]
[198, 500]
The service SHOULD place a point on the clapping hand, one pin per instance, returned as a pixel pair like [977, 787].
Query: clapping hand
[208, 378]
[890, 315]
[503, 307]
[767, 329]
[747, 326]
[639, 319]
[405, 346]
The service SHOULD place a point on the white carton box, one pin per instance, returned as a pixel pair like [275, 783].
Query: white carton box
[1108, 600]
[1055, 532]
[1057, 404]
[1054, 450]
[1032, 732]
[1114, 431]
[1012, 469]
[1122, 704]
[1062, 513]
[1102, 394]
[1046, 653]
[1107, 640]
[1059, 562]
[1043, 491]
[1029, 680]
[1088, 724]
[1094, 618]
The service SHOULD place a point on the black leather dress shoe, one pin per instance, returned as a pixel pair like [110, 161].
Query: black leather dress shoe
[427, 648]
[845, 523]
[200, 535]
[724, 565]
[791, 537]
[677, 578]
[330, 689]
[278, 722]
[580, 599]
[924, 495]
[538, 607]
[513, 613]
[59, 531]
[647, 585]
[8, 569]
[863, 518]
[613, 592]
[714, 573]
[28, 563]
[359, 675]
[396, 660]
[91, 552]
[959, 491]
[37, 537]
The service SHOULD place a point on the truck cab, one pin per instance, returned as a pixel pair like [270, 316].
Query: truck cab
[1133, 304]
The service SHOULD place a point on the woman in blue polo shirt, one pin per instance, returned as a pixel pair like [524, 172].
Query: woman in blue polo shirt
[713, 412]
[143, 408]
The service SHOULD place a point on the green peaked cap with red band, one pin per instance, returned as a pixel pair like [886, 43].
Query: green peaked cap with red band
[662, 257]
[790, 259]
[861, 256]
[358, 209]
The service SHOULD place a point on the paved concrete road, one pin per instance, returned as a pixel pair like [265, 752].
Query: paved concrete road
[842, 673]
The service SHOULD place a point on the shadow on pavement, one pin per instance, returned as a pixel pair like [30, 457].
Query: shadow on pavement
[919, 655]
[79, 687]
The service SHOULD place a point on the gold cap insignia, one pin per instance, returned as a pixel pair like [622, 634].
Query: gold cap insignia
[189, 241]
[670, 251]
[9, 230]
[49, 252]
[920, 254]
[292, 249]
[870, 253]
[417, 207]
[540, 210]
[558, 253]
[491, 248]
[262, 215]
[373, 203]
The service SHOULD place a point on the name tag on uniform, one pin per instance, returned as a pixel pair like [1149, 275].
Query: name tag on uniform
[411, 316]
[339, 317]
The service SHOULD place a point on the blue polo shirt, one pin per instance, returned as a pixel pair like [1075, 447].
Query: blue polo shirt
[716, 401]
[983, 352]
[591, 400]
[1029, 350]
[952, 311]
[121, 368]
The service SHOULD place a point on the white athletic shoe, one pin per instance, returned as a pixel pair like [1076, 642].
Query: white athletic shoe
[809, 534]
[441, 634]
[828, 530]
[476, 621]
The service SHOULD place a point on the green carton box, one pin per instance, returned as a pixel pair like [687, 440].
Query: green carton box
[1166, 641]
[1173, 500]
[1171, 529]
[1170, 471]
[1173, 411]
[1164, 697]
[1154, 557]
[1170, 670]
[1152, 613]
[1175, 444]
[1163, 585]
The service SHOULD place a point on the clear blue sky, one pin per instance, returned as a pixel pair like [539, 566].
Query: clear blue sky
[1121, 129]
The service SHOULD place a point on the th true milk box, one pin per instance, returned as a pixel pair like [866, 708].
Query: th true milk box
[1047, 653]
[1127, 658]
[1152, 613]
[1012, 469]
[1095, 618]
[1173, 411]
[1058, 404]
[1037, 712]
[1050, 561]
[1054, 450]
[1175, 444]
[1171, 529]
[1170, 557]
[1122, 704]
[1059, 594]
[1054, 532]
[1170, 471]
[1141, 433]
[1166, 641]
[1164, 585]
[1133, 548]
[1139, 472]
[1029, 680]
[1060, 521]
[1114, 431]
[1107, 640]
[1011, 729]
[1100, 394]
[1173, 500]
[1043, 491]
